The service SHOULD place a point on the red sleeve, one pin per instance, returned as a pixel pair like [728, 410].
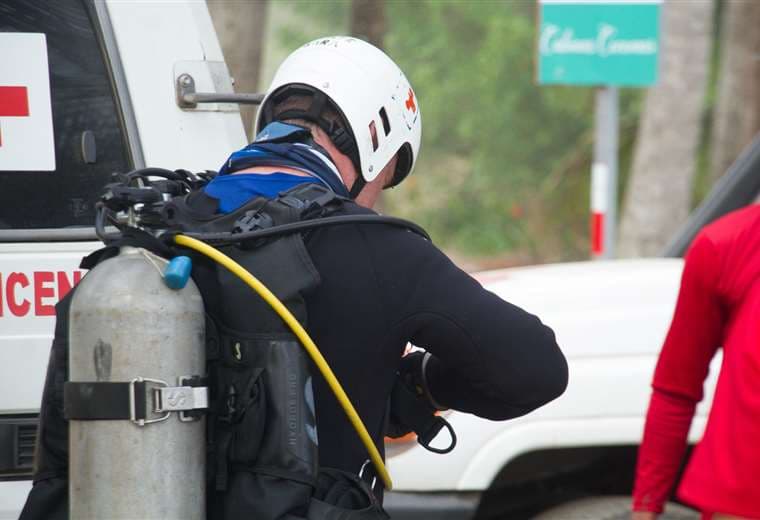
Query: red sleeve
[697, 327]
[694, 336]
[661, 450]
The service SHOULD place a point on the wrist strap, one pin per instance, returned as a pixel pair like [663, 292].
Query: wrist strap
[425, 387]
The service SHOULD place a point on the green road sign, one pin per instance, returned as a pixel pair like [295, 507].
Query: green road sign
[598, 42]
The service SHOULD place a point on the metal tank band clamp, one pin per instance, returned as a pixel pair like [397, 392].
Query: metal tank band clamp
[188, 400]
[92, 401]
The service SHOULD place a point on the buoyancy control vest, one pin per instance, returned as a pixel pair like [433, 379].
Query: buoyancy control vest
[262, 433]
[261, 429]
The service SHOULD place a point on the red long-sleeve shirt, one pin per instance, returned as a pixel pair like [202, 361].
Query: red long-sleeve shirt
[718, 305]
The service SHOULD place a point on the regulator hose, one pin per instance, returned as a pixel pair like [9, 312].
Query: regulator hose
[303, 336]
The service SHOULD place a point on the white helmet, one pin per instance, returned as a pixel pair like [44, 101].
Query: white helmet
[366, 88]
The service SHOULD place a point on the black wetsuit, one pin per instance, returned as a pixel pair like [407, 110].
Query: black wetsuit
[381, 287]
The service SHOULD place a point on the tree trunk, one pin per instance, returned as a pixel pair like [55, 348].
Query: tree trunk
[368, 21]
[240, 25]
[737, 110]
[658, 197]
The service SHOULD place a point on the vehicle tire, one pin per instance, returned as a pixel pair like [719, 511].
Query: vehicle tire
[609, 508]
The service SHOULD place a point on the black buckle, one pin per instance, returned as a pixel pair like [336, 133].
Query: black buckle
[310, 200]
[251, 221]
[293, 202]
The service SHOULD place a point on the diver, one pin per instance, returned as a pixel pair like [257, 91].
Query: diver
[341, 117]
[383, 287]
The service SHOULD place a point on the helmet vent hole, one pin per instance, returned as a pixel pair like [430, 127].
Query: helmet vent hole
[373, 133]
[384, 119]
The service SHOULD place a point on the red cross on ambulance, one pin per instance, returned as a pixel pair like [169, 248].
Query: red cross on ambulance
[14, 102]
[27, 143]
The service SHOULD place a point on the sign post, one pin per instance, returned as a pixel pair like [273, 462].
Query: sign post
[604, 173]
[603, 43]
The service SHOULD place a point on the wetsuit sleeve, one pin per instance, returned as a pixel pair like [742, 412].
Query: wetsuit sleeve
[490, 357]
[694, 336]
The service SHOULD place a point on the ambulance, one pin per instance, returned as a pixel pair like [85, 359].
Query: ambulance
[93, 87]
[87, 88]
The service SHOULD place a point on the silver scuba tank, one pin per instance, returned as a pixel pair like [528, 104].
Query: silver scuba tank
[127, 326]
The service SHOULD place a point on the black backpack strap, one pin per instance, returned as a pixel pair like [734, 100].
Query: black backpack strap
[340, 495]
[131, 237]
[312, 201]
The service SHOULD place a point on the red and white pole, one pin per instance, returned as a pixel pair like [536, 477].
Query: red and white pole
[599, 207]
[604, 174]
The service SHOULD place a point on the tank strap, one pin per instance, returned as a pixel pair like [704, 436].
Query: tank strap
[93, 401]
[132, 237]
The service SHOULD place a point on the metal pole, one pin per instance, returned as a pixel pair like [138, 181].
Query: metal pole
[604, 173]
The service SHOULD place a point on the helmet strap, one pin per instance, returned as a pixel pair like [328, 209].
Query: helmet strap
[318, 103]
[340, 137]
[358, 186]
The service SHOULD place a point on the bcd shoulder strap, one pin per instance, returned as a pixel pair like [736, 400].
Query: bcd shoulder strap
[196, 212]
[262, 428]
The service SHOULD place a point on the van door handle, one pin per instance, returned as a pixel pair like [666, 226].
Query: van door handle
[187, 97]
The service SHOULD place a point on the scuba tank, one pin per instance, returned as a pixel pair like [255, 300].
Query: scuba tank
[131, 337]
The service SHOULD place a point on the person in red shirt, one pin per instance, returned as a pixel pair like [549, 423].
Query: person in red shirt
[718, 306]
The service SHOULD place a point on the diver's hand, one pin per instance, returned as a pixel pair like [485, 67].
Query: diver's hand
[409, 373]
[644, 515]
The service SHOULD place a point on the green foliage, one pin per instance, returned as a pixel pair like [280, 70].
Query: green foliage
[473, 66]
[505, 163]
[310, 19]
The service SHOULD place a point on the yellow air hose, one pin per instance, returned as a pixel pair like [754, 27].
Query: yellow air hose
[307, 342]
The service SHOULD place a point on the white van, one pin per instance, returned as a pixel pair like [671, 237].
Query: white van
[87, 88]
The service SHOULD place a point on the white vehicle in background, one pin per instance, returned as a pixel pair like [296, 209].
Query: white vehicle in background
[610, 318]
[102, 86]
[113, 71]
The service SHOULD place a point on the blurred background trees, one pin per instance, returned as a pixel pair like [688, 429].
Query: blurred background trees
[503, 177]
[240, 26]
[669, 133]
[368, 21]
[737, 107]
